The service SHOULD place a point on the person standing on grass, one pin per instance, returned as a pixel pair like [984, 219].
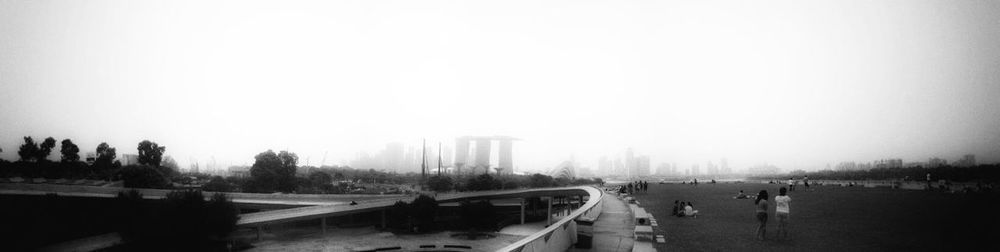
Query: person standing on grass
[761, 211]
[781, 212]
[928, 181]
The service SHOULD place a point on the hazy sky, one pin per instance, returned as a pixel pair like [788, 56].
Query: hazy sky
[798, 84]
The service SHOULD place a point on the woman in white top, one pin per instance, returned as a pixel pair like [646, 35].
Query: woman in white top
[781, 212]
[689, 211]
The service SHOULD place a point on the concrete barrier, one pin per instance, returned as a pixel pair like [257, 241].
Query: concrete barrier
[562, 234]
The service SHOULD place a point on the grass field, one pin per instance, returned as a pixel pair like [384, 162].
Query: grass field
[827, 218]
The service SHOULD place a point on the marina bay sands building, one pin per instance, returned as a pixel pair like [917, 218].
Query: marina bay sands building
[477, 159]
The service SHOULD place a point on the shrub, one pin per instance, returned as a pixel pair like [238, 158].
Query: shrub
[483, 182]
[141, 176]
[423, 209]
[440, 183]
[217, 184]
[479, 215]
[183, 221]
[399, 215]
[539, 180]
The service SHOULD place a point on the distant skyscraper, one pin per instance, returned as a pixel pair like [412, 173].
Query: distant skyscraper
[630, 167]
[506, 162]
[393, 156]
[604, 166]
[619, 167]
[642, 166]
[483, 149]
[936, 162]
[461, 152]
[695, 170]
[725, 166]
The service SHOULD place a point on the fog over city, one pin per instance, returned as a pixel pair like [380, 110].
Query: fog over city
[779, 82]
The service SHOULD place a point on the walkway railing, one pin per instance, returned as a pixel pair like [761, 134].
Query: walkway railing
[562, 234]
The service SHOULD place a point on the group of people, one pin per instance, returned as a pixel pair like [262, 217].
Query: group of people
[792, 183]
[634, 187]
[684, 209]
[782, 211]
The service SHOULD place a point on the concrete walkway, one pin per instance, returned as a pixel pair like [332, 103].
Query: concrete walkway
[613, 229]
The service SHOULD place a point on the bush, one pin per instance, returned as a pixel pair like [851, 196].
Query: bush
[539, 180]
[511, 184]
[483, 182]
[183, 221]
[142, 176]
[399, 215]
[217, 184]
[424, 210]
[440, 183]
[479, 215]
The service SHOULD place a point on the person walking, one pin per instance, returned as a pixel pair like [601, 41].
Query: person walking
[781, 212]
[761, 211]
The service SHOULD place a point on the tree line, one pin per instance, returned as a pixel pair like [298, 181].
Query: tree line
[151, 170]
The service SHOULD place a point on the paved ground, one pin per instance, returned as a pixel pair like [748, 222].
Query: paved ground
[613, 229]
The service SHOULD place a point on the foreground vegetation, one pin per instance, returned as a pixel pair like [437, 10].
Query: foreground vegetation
[182, 221]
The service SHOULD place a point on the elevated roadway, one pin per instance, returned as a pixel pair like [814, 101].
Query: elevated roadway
[322, 211]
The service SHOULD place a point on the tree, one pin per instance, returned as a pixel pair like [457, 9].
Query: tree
[440, 183]
[28, 150]
[168, 167]
[273, 172]
[70, 152]
[106, 152]
[105, 163]
[320, 179]
[45, 149]
[150, 153]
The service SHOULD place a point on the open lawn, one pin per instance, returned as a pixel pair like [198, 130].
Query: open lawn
[827, 218]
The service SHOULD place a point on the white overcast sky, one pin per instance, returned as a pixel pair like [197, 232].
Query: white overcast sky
[798, 84]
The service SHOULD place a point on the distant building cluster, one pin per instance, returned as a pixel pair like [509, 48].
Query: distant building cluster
[763, 169]
[628, 165]
[397, 157]
[472, 154]
[968, 160]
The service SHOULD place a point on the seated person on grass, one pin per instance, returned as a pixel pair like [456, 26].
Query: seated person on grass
[741, 195]
[677, 208]
[680, 210]
[689, 211]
